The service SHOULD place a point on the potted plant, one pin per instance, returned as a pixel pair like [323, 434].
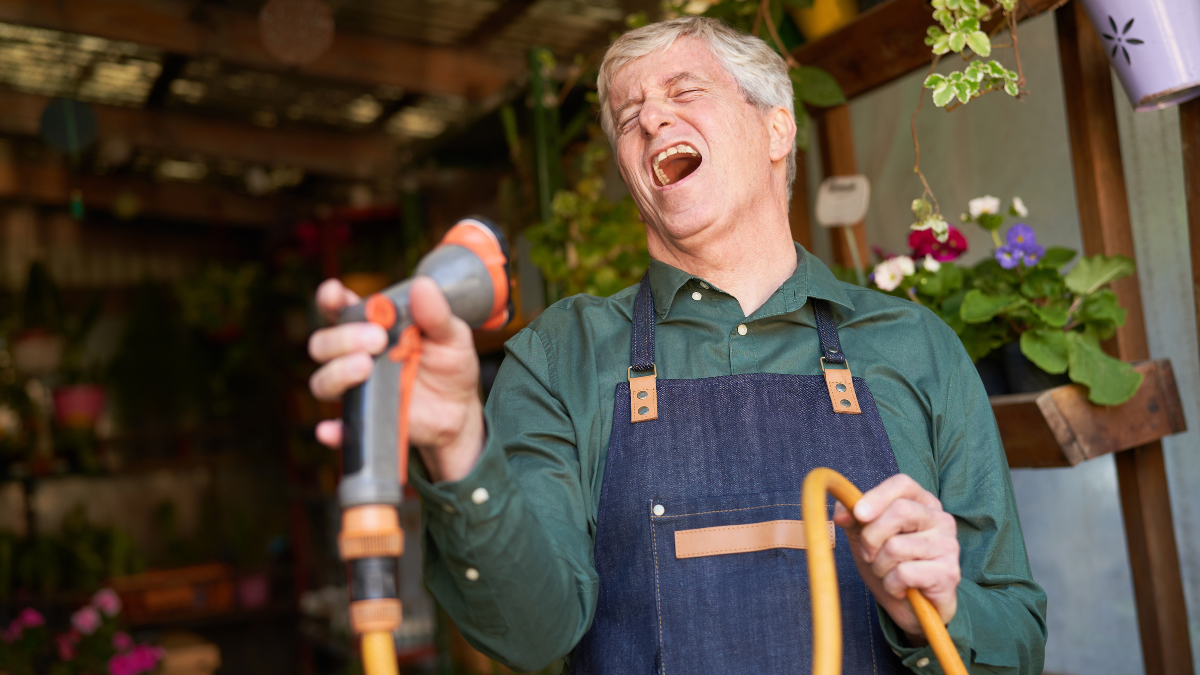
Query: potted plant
[1023, 296]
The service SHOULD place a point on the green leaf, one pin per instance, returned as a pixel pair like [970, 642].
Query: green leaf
[942, 45]
[974, 73]
[948, 279]
[990, 221]
[816, 87]
[1109, 381]
[958, 40]
[934, 80]
[921, 209]
[942, 95]
[1056, 257]
[964, 90]
[1011, 88]
[1090, 274]
[1054, 316]
[995, 68]
[979, 42]
[804, 126]
[1047, 349]
[978, 307]
[1042, 283]
[968, 25]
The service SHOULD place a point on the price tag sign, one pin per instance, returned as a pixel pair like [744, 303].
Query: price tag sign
[842, 200]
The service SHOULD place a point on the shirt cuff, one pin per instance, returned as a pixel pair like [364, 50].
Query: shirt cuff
[474, 499]
[922, 659]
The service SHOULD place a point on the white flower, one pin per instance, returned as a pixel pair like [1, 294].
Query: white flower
[888, 275]
[905, 264]
[1019, 207]
[930, 264]
[983, 205]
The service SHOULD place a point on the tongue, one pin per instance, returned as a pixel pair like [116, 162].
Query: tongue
[679, 166]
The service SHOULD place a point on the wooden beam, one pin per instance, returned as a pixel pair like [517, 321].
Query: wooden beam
[348, 155]
[232, 36]
[799, 217]
[1106, 229]
[836, 137]
[1189, 123]
[50, 185]
[885, 43]
[492, 26]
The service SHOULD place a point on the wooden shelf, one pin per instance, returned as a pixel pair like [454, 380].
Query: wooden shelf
[886, 43]
[1059, 427]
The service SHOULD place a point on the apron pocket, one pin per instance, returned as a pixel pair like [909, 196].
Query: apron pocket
[732, 584]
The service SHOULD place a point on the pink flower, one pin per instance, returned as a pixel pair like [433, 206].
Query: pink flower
[86, 620]
[30, 618]
[141, 659]
[106, 600]
[66, 646]
[121, 641]
[12, 633]
[923, 243]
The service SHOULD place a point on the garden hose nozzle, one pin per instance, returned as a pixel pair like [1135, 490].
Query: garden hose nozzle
[822, 579]
[470, 265]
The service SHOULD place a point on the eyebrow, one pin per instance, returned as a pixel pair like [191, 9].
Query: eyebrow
[684, 76]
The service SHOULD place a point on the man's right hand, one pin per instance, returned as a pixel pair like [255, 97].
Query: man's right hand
[445, 413]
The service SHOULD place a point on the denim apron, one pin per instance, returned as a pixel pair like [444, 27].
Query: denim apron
[725, 452]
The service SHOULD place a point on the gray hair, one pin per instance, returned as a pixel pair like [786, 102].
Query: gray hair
[760, 73]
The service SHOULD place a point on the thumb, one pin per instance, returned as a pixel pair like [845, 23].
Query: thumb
[431, 313]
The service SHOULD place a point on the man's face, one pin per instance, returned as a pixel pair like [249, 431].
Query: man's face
[696, 156]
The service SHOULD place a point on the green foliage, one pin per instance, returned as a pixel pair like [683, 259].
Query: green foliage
[927, 219]
[1091, 274]
[592, 244]
[1109, 381]
[960, 29]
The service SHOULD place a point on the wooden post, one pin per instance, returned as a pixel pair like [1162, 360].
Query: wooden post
[1189, 123]
[836, 137]
[798, 211]
[1104, 220]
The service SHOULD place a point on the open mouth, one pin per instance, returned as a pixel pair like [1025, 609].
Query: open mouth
[675, 163]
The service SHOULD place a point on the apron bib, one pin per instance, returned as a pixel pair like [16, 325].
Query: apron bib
[696, 543]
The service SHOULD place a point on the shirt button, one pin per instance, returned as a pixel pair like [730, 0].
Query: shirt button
[703, 285]
[923, 661]
[480, 495]
[659, 509]
[696, 295]
[742, 330]
[473, 575]
[447, 508]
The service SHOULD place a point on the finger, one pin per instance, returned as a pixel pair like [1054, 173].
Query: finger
[900, 486]
[333, 297]
[842, 517]
[334, 378]
[431, 313]
[925, 545]
[936, 579]
[329, 432]
[330, 343]
[902, 515]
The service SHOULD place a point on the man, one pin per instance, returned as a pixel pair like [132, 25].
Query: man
[652, 530]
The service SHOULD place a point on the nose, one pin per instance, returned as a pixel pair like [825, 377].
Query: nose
[656, 115]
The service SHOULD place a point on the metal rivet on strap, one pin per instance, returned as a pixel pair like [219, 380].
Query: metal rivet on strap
[643, 410]
[833, 350]
[643, 394]
[841, 387]
[845, 403]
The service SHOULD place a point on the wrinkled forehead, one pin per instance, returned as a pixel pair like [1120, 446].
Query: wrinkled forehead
[687, 61]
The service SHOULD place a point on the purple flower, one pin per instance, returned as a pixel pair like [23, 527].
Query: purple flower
[1021, 235]
[1008, 257]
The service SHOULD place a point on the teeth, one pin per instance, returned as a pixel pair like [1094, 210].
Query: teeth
[662, 177]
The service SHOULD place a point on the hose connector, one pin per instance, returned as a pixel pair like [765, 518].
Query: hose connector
[371, 542]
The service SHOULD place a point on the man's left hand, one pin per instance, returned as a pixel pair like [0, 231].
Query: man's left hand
[901, 538]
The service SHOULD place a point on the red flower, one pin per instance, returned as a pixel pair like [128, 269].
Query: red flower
[923, 243]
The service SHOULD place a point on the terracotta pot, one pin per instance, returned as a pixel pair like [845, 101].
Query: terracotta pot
[78, 406]
[1154, 45]
[37, 352]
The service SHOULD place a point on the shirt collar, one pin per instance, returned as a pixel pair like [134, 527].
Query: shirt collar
[812, 279]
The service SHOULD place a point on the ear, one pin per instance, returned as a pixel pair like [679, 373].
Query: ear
[783, 133]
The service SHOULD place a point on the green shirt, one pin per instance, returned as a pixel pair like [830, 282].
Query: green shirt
[508, 549]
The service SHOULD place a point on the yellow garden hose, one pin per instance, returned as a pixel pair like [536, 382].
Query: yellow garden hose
[379, 654]
[822, 578]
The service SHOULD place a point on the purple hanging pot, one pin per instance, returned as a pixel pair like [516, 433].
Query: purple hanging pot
[1154, 45]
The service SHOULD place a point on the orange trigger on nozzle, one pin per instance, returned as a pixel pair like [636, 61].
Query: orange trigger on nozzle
[381, 311]
[408, 352]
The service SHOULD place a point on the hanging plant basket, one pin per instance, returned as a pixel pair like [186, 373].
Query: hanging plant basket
[1154, 45]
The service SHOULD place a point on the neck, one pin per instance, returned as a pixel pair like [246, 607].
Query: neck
[748, 259]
